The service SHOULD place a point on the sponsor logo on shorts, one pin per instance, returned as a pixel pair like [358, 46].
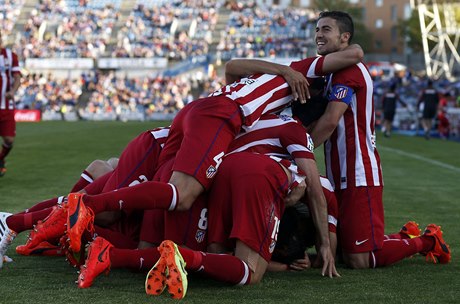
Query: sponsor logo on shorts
[199, 236]
[211, 172]
[357, 243]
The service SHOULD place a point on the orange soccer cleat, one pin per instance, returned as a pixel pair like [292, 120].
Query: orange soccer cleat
[155, 282]
[51, 228]
[441, 251]
[76, 259]
[43, 249]
[97, 262]
[176, 279]
[411, 229]
[79, 219]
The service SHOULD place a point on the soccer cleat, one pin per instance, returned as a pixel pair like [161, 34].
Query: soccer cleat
[155, 282]
[410, 229]
[79, 219]
[441, 251]
[76, 259]
[6, 236]
[2, 168]
[97, 262]
[51, 228]
[43, 249]
[176, 279]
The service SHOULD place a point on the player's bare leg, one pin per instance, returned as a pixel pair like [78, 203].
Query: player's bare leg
[188, 189]
[357, 260]
[256, 263]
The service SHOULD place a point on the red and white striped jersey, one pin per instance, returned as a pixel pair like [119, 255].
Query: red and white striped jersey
[280, 137]
[9, 65]
[265, 93]
[160, 134]
[350, 153]
[273, 135]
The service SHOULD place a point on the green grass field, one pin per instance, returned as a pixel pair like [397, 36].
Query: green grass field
[421, 183]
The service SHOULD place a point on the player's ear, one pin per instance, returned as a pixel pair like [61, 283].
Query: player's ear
[345, 37]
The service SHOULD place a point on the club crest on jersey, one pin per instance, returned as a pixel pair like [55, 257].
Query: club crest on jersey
[211, 172]
[199, 236]
[340, 92]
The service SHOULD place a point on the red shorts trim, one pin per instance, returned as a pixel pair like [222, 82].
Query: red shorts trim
[361, 219]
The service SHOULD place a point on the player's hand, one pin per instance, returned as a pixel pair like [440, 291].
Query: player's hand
[328, 262]
[298, 84]
[300, 264]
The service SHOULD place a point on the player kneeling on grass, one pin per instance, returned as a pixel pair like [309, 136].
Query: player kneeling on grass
[246, 204]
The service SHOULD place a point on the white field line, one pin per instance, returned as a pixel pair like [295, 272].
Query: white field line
[421, 158]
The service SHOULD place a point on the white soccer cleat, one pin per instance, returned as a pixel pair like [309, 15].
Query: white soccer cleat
[6, 237]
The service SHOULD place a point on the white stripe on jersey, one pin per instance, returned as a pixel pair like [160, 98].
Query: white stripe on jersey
[325, 183]
[267, 123]
[342, 147]
[266, 141]
[311, 70]
[161, 133]
[332, 220]
[249, 87]
[370, 115]
[295, 148]
[4, 83]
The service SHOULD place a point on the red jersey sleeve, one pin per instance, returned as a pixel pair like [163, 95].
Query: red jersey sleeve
[298, 143]
[311, 67]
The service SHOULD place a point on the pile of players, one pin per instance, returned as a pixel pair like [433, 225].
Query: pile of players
[208, 193]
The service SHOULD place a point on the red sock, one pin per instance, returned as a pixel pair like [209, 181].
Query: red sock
[136, 259]
[394, 250]
[144, 196]
[222, 267]
[46, 204]
[85, 179]
[117, 239]
[25, 221]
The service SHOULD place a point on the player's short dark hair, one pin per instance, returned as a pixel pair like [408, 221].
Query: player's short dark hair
[344, 21]
[296, 234]
[309, 111]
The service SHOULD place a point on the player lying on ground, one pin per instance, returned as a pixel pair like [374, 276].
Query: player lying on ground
[135, 166]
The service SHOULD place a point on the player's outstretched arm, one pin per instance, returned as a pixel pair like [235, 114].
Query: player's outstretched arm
[318, 207]
[238, 68]
[351, 55]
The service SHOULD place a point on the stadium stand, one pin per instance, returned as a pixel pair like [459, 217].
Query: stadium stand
[182, 39]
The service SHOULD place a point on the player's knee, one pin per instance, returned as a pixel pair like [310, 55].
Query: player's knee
[357, 261]
[98, 168]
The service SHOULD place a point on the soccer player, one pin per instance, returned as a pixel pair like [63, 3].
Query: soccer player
[389, 100]
[352, 161]
[430, 99]
[10, 80]
[12, 224]
[137, 164]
